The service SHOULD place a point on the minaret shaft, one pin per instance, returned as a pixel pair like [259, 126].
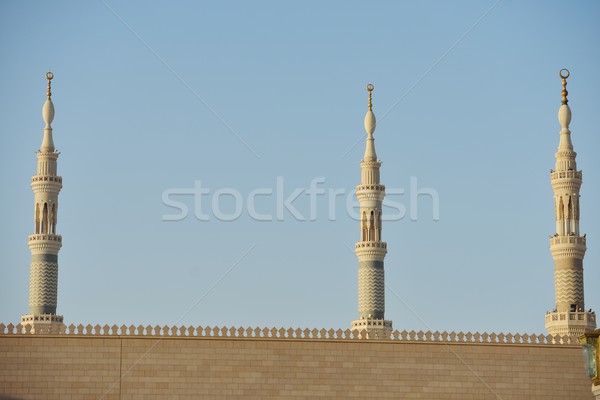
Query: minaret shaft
[567, 245]
[371, 250]
[44, 243]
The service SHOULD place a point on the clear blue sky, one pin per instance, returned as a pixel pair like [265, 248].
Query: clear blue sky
[155, 96]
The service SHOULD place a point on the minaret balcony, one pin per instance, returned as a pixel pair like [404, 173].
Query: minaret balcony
[566, 322]
[370, 250]
[563, 247]
[370, 192]
[46, 183]
[558, 240]
[41, 318]
[40, 243]
[45, 237]
[566, 175]
[369, 328]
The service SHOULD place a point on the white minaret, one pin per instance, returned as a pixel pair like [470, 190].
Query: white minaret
[371, 250]
[567, 245]
[45, 243]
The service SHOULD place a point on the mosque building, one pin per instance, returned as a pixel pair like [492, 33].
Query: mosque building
[43, 358]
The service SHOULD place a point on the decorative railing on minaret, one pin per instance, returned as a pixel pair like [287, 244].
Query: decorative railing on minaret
[45, 243]
[371, 250]
[567, 245]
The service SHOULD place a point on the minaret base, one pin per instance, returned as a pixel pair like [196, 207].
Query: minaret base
[43, 323]
[570, 323]
[373, 328]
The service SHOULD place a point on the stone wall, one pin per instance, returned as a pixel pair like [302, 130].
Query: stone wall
[165, 362]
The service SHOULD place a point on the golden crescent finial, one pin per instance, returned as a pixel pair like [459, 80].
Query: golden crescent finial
[49, 76]
[564, 77]
[370, 88]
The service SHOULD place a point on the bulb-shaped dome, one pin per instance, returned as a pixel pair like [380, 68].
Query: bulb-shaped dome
[564, 116]
[370, 122]
[48, 112]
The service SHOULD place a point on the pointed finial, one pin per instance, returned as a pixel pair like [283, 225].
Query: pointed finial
[49, 76]
[48, 110]
[564, 112]
[370, 121]
[564, 75]
[370, 124]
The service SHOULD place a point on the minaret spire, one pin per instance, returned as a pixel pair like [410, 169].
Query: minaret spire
[370, 124]
[564, 77]
[371, 250]
[48, 116]
[567, 245]
[44, 243]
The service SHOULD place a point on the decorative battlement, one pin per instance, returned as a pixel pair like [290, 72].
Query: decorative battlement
[363, 195]
[46, 178]
[370, 187]
[578, 322]
[41, 242]
[41, 323]
[370, 163]
[41, 318]
[289, 333]
[371, 328]
[45, 237]
[565, 154]
[379, 245]
[46, 183]
[370, 250]
[50, 154]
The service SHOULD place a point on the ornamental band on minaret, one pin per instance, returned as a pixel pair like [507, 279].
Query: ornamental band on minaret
[567, 245]
[371, 250]
[44, 243]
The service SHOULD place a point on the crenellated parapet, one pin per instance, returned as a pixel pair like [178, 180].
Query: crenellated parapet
[273, 333]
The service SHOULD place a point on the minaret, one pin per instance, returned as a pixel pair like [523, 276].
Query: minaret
[371, 250]
[45, 243]
[567, 245]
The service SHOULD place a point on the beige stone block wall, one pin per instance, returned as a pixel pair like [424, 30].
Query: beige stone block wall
[154, 367]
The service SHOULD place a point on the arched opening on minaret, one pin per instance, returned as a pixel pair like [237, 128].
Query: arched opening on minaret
[363, 226]
[571, 216]
[53, 219]
[372, 226]
[576, 215]
[561, 217]
[379, 226]
[37, 218]
[561, 209]
[45, 218]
